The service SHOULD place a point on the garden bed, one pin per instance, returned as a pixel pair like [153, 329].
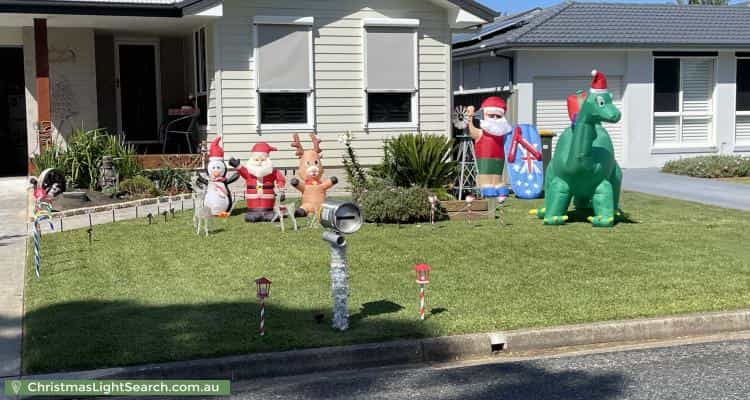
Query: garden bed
[151, 293]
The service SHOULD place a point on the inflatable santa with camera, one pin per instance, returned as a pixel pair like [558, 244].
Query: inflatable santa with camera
[488, 145]
[261, 180]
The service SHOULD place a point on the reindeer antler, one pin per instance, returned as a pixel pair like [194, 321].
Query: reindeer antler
[316, 143]
[298, 145]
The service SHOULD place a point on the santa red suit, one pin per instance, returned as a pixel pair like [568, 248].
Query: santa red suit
[261, 179]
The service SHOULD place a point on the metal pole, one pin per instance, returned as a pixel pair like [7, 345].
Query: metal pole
[339, 280]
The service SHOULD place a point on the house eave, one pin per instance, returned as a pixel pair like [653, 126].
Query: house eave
[176, 10]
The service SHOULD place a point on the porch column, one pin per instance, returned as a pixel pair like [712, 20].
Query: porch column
[42, 83]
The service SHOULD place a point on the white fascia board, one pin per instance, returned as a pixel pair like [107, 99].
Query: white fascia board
[282, 20]
[391, 22]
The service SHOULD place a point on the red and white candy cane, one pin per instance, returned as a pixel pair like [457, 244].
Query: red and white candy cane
[421, 301]
[262, 329]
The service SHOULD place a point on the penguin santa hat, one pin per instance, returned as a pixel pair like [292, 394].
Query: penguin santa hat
[599, 82]
[215, 152]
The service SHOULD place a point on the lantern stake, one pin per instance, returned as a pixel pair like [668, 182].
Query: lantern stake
[262, 317]
[263, 287]
[421, 301]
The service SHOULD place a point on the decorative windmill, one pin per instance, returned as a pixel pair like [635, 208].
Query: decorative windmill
[467, 174]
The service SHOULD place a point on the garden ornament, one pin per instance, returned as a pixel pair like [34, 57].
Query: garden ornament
[261, 178]
[108, 178]
[263, 290]
[488, 145]
[48, 185]
[460, 118]
[583, 167]
[341, 217]
[423, 278]
[280, 211]
[312, 186]
[217, 197]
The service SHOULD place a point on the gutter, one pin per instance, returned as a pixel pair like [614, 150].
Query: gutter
[175, 10]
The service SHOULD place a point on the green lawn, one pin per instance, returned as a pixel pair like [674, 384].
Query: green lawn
[157, 293]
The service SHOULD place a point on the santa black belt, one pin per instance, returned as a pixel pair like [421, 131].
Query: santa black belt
[255, 187]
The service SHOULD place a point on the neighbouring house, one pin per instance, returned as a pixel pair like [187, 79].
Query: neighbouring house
[680, 74]
[258, 70]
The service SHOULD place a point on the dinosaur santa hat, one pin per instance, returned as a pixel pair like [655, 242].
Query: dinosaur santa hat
[599, 82]
[215, 152]
[494, 105]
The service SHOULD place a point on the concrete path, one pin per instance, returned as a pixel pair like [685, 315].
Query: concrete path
[706, 191]
[13, 234]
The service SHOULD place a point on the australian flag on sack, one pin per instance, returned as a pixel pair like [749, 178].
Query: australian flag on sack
[523, 156]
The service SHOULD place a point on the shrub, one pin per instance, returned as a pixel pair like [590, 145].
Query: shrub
[418, 160]
[81, 159]
[710, 166]
[52, 156]
[170, 180]
[139, 185]
[395, 204]
[355, 174]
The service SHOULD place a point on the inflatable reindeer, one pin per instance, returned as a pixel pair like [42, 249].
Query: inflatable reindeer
[312, 186]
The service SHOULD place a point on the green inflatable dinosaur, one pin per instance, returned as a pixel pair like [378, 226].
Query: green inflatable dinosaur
[584, 167]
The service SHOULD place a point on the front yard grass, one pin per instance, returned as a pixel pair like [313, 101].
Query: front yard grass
[153, 293]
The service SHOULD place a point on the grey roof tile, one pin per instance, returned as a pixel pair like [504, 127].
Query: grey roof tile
[577, 24]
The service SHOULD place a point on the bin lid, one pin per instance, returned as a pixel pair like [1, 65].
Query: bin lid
[546, 132]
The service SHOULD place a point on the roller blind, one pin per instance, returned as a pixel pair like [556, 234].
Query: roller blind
[283, 57]
[390, 59]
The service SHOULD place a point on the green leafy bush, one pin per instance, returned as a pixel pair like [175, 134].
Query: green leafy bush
[139, 185]
[81, 158]
[710, 166]
[355, 173]
[418, 160]
[387, 204]
[170, 180]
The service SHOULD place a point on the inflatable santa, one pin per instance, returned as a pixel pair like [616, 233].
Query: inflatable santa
[261, 179]
[488, 145]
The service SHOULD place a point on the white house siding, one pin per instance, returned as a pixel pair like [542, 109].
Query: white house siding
[72, 86]
[338, 73]
[11, 37]
[635, 69]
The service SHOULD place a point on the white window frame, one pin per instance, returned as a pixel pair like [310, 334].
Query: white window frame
[394, 23]
[680, 114]
[285, 20]
[737, 113]
[196, 57]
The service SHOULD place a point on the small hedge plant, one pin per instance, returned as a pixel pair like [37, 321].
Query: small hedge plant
[139, 185]
[710, 166]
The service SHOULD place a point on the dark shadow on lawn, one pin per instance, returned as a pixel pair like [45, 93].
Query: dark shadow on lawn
[376, 308]
[582, 214]
[85, 335]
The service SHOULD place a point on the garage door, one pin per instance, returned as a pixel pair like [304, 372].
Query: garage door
[551, 109]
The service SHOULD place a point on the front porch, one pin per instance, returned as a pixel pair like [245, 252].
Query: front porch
[144, 79]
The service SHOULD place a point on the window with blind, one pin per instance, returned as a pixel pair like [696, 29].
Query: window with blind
[683, 101]
[391, 75]
[283, 62]
[742, 121]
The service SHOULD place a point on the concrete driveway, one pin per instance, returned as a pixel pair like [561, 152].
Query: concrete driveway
[706, 191]
[13, 234]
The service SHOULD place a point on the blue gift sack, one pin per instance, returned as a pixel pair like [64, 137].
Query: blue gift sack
[525, 171]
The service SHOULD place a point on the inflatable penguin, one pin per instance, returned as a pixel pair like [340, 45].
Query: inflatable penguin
[218, 197]
[49, 185]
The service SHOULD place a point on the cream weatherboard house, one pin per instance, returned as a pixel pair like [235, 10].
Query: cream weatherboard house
[260, 70]
[679, 73]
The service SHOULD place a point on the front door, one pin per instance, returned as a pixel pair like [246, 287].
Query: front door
[138, 92]
[13, 145]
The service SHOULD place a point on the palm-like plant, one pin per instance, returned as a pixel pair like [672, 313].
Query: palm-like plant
[418, 160]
